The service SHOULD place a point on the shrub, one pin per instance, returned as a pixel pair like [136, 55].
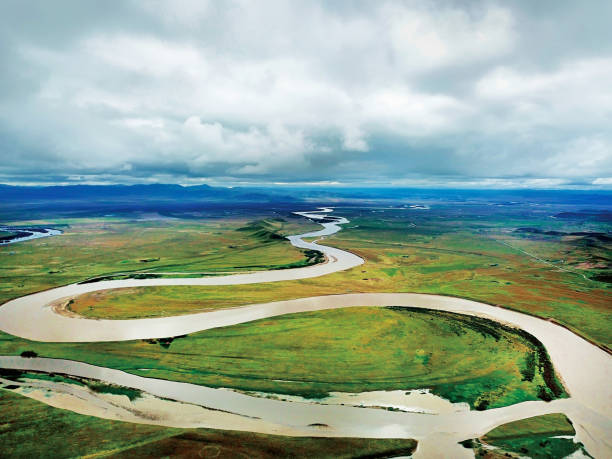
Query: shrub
[29, 354]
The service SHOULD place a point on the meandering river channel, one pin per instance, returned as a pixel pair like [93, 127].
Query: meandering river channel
[585, 369]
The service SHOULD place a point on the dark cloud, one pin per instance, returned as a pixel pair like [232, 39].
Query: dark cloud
[407, 92]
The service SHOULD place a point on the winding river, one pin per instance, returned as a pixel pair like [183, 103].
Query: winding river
[585, 369]
[28, 234]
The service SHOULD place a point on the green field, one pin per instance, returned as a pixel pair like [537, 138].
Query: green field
[461, 252]
[406, 251]
[458, 257]
[31, 429]
[101, 247]
[532, 437]
[461, 358]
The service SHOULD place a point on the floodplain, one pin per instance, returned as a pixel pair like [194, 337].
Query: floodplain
[510, 256]
[445, 252]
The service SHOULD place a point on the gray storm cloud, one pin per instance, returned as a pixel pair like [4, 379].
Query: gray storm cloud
[409, 93]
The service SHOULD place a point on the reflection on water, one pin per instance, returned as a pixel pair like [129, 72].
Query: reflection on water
[414, 401]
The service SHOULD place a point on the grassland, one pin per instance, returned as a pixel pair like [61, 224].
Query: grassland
[461, 250]
[461, 358]
[465, 252]
[533, 437]
[108, 246]
[443, 253]
[31, 429]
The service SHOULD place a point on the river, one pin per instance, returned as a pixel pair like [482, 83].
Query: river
[585, 369]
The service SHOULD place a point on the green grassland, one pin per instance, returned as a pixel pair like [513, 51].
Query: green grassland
[464, 359]
[459, 250]
[29, 429]
[436, 253]
[532, 437]
[105, 247]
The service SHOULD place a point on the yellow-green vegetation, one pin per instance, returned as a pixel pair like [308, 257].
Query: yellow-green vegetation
[549, 424]
[533, 437]
[437, 254]
[108, 247]
[31, 429]
[150, 302]
[461, 358]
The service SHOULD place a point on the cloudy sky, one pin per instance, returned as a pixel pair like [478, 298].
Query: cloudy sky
[425, 93]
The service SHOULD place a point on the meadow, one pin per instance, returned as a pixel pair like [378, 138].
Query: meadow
[535, 437]
[463, 359]
[473, 251]
[464, 254]
[91, 248]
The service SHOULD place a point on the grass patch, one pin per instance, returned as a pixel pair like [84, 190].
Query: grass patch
[104, 388]
[550, 424]
[164, 342]
[534, 437]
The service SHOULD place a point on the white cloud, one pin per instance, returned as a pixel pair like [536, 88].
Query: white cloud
[184, 13]
[262, 150]
[577, 93]
[584, 156]
[354, 139]
[146, 55]
[307, 91]
[137, 123]
[427, 38]
[410, 113]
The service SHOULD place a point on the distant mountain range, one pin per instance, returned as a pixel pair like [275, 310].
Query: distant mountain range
[82, 200]
[130, 192]
[34, 202]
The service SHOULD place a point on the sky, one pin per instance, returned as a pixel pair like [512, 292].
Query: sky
[402, 93]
